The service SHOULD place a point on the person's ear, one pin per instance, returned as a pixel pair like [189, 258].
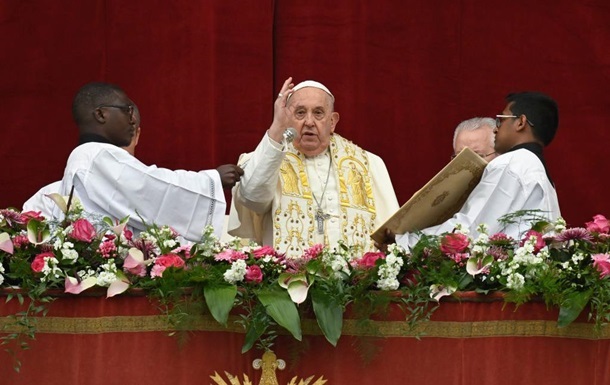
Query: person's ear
[98, 115]
[334, 119]
[522, 123]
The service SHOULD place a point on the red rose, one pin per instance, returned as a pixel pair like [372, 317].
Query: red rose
[599, 225]
[369, 259]
[38, 262]
[454, 243]
[83, 230]
[254, 274]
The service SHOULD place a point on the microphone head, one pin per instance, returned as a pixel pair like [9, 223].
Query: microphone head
[290, 134]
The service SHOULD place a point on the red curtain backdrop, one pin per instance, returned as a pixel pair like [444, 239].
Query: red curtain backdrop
[405, 73]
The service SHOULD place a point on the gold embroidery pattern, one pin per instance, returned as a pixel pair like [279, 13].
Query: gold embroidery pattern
[268, 364]
[351, 327]
[295, 229]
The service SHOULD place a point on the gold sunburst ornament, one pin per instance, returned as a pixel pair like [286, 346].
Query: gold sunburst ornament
[268, 364]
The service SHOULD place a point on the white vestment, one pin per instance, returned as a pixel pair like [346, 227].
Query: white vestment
[257, 196]
[40, 202]
[511, 182]
[111, 182]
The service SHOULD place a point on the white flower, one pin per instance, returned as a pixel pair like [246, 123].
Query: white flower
[69, 254]
[515, 281]
[236, 272]
[169, 243]
[560, 225]
[108, 273]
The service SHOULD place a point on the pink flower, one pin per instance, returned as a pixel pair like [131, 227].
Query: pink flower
[599, 225]
[83, 230]
[107, 249]
[254, 274]
[230, 255]
[128, 234]
[184, 248]
[313, 252]
[168, 260]
[264, 250]
[38, 262]
[368, 260]
[539, 240]
[20, 241]
[165, 261]
[454, 243]
[602, 263]
[27, 215]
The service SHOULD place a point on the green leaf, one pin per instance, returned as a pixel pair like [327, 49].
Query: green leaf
[256, 327]
[281, 308]
[220, 300]
[329, 315]
[572, 306]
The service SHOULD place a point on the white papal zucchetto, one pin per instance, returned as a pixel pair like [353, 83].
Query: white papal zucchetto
[314, 84]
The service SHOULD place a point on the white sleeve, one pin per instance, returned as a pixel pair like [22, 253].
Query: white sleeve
[118, 184]
[256, 189]
[499, 192]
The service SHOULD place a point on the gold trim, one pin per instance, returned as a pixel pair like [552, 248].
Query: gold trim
[437, 329]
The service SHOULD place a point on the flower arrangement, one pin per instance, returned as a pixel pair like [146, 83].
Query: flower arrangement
[567, 267]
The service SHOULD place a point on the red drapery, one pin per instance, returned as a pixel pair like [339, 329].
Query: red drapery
[405, 73]
[124, 340]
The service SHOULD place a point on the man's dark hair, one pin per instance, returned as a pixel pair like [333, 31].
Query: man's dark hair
[89, 97]
[540, 109]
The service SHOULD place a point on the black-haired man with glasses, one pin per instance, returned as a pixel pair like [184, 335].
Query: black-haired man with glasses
[109, 181]
[514, 181]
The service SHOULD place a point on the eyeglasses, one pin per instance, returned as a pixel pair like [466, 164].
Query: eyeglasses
[128, 109]
[481, 155]
[499, 119]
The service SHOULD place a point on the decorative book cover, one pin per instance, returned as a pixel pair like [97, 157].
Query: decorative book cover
[440, 198]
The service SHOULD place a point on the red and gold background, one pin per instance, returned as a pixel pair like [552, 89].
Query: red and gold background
[475, 340]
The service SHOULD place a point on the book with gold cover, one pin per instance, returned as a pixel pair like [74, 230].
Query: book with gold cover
[440, 198]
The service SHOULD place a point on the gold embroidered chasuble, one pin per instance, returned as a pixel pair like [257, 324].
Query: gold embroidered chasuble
[301, 217]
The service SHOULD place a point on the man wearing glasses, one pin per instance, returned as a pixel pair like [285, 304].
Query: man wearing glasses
[476, 134]
[514, 181]
[109, 181]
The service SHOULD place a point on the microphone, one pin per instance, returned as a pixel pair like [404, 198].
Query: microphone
[289, 134]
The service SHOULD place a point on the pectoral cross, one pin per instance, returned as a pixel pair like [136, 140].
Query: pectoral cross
[320, 218]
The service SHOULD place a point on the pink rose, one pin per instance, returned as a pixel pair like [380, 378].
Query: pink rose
[27, 215]
[168, 260]
[254, 274]
[602, 263]
[264, 250]
[599, 225]
[38, 262]
[165, 261]
[454, 243]
[539, 240]
[368, 260]
[128, 234]
[83, 230]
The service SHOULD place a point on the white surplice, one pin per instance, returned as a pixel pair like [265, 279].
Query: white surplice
[511, 182]
[40, 202]
[111, 182]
